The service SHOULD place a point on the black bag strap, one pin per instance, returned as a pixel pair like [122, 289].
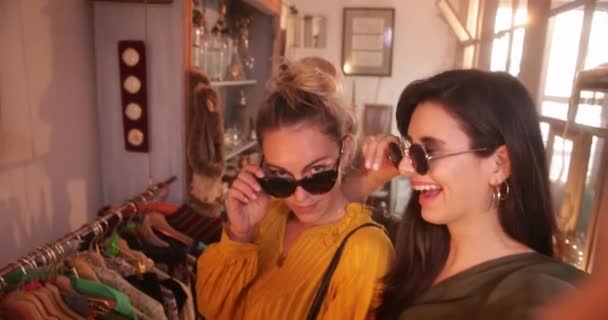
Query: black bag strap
[322, 292]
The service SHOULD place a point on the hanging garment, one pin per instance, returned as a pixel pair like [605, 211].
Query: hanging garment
[150, 307]
[205, 145]
[90, 288]
[170, 304]
[199, 227]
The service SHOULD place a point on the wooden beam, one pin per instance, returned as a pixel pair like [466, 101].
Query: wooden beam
[534, 45]
[575, 185]
[596, 254]
[575, 128]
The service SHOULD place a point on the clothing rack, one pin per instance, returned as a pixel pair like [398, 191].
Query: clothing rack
[56, 250]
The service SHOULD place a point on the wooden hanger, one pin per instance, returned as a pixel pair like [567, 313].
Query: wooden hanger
[156, 221]
[30, 302]
[84, 269]
[19, 309]
[47, 302]
[62, 282]
[58, 299]
[95, 258]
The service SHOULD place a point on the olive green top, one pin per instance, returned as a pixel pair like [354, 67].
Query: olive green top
[507, 288]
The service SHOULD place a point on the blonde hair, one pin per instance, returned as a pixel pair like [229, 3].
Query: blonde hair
[306, 90]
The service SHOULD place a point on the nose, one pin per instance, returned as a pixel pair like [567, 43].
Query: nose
[300, 195]
[405, 167]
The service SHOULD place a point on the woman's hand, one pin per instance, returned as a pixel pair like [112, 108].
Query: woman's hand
[376, 169]
[374, 151]
[246, 204]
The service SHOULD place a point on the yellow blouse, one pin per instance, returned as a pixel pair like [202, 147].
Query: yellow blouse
[244, 280]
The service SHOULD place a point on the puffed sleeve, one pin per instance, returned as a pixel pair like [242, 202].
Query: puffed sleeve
[355, 290]
[224, 270]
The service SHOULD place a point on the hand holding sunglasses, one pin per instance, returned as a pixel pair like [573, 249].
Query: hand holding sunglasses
[246, 204]
[374, 152]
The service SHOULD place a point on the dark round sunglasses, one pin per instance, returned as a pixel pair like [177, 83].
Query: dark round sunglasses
[318, 183]
[417, 155]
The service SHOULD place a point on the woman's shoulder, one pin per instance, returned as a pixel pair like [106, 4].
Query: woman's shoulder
[522, 291]
[541, 270]
[367, 235]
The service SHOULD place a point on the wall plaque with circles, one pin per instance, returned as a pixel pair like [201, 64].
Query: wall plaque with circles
[133, 91]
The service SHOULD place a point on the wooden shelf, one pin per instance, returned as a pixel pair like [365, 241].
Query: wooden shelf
[233, 152]
[239, 83]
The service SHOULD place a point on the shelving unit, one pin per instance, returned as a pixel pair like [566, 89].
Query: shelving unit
[233, 152]
[264, 35]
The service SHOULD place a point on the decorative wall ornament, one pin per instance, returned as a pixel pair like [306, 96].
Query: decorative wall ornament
[132, 64]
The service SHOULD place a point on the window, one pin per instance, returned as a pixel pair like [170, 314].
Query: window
[509, 31]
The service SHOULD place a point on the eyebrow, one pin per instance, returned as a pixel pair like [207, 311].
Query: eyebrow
[306, 168]
[429, 141]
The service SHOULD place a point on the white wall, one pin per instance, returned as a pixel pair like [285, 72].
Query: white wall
[423, 45]
[126, 174]
[49, 163]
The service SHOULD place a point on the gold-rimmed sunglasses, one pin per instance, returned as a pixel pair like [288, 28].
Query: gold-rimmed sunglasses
[418, 156]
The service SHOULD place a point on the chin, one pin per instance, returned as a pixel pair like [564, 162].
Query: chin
[309, 212]
[434, 217]
[305, 212]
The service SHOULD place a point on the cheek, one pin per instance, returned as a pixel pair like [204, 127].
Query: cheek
[462, 181]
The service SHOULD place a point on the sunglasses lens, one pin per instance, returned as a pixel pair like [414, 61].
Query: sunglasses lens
[321, 182]
[277, 187]
[395, 154]
[418, 157]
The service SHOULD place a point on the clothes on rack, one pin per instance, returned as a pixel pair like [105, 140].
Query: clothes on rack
[128, 286]
[93, 273]
[197, 226]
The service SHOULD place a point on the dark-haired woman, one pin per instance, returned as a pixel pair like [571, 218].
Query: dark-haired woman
[476, 239]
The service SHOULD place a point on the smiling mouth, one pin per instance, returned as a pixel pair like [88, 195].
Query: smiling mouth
[427, 192]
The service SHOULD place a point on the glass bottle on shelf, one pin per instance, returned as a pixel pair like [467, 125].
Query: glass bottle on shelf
[216, 56]
[241, 116]
[218, 48]
[247, 60]
[235, 70]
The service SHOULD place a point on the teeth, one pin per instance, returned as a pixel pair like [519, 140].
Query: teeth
[426, 187]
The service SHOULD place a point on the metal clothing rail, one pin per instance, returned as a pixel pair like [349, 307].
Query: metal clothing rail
[56, 250]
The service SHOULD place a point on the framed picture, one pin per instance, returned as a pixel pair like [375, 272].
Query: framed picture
[367, 41]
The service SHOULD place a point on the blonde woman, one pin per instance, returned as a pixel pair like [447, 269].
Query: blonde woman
[288, 217]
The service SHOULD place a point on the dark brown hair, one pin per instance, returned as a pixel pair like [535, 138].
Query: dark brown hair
[494, 109]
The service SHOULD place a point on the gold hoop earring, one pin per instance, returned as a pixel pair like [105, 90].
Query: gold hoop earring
[501, 192]
[504, 194]
[496, 194]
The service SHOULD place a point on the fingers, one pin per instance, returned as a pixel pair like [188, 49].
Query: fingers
[248, 176]
[375, 149]
[245, 187]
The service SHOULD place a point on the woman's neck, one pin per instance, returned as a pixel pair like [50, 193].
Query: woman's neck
[478, 239]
